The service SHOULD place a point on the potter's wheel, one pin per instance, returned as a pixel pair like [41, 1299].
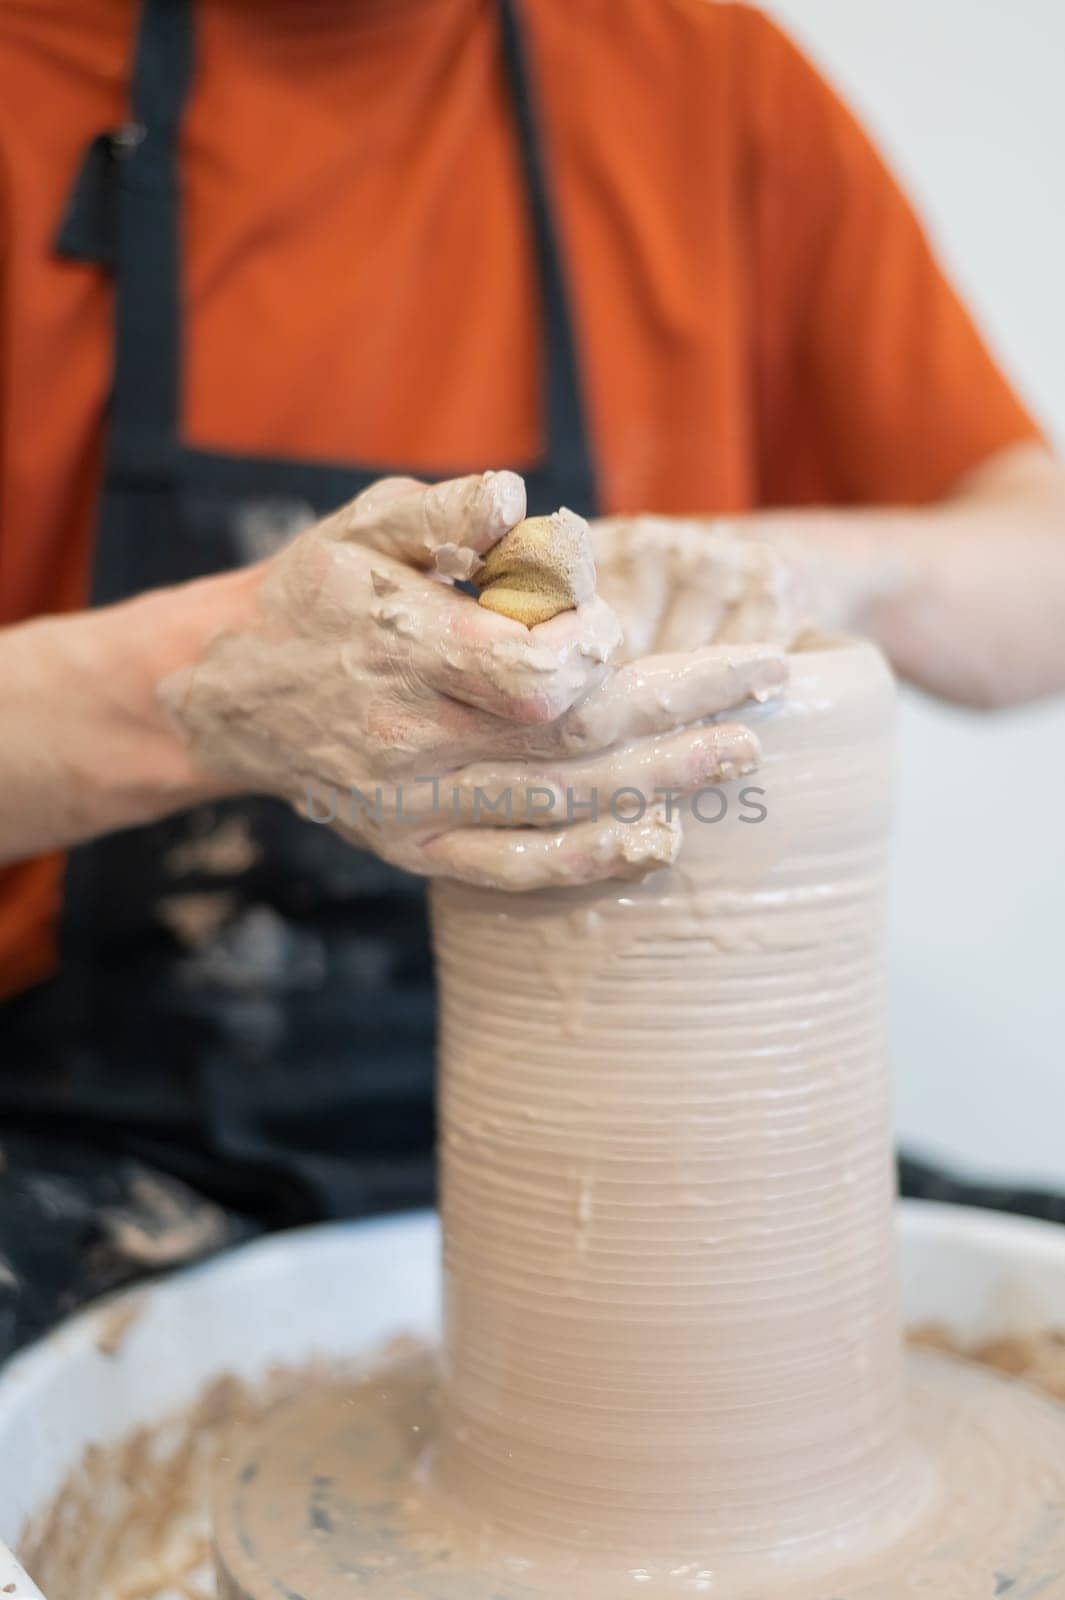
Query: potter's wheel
[331, 1496]
[274, 1304]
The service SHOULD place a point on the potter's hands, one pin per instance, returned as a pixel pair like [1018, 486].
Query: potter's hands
[360, 685]
[677, 583]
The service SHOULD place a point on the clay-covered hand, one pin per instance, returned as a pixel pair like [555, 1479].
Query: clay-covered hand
[677, 583]
[371, 693]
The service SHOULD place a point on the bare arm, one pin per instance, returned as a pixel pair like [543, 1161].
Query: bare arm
[85, 746]
[967, 596]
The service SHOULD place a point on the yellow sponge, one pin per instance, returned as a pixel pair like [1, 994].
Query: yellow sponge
[541, 567]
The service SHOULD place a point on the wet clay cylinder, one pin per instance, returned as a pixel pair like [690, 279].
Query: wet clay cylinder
[671, 1321]
[672, 1355]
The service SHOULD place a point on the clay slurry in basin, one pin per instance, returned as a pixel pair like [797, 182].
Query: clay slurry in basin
[672, 1359]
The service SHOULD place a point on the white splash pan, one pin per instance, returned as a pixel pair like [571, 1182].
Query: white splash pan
[338, 1289]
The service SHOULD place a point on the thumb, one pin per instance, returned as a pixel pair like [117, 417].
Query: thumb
[442, 527]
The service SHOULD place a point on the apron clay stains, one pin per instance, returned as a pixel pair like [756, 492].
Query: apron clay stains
[245, 1003]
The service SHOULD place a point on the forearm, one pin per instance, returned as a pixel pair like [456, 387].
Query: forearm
[966, 597]
[85, 746]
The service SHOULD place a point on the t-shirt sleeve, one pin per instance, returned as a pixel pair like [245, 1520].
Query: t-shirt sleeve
[872, 382]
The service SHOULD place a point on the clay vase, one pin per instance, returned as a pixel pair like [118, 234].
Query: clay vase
[671, 1319]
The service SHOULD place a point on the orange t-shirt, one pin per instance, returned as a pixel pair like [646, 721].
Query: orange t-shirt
[758, 316]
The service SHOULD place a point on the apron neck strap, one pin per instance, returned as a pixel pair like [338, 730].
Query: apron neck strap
[567, 442]
[146, 398]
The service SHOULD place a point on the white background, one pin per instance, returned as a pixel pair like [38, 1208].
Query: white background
[966, 98]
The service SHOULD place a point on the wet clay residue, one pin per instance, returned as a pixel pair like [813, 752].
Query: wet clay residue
[225, 850]
[335, 1494]
[120, 1321]
[163, 1224]
[131, 1523]
[1036, 1358]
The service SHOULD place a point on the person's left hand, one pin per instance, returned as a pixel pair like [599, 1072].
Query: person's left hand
[680, 583]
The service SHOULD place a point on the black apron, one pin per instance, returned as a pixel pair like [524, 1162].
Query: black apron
[282, 1068]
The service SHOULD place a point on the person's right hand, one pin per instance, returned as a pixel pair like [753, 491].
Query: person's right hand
[367, 690]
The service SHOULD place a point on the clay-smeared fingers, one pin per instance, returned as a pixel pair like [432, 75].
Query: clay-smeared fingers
[648, 698]
[661, 693]
[588, 852]
[637, 588]
[520, 674]
[445, 527]
[522, 794]
[691, 617]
